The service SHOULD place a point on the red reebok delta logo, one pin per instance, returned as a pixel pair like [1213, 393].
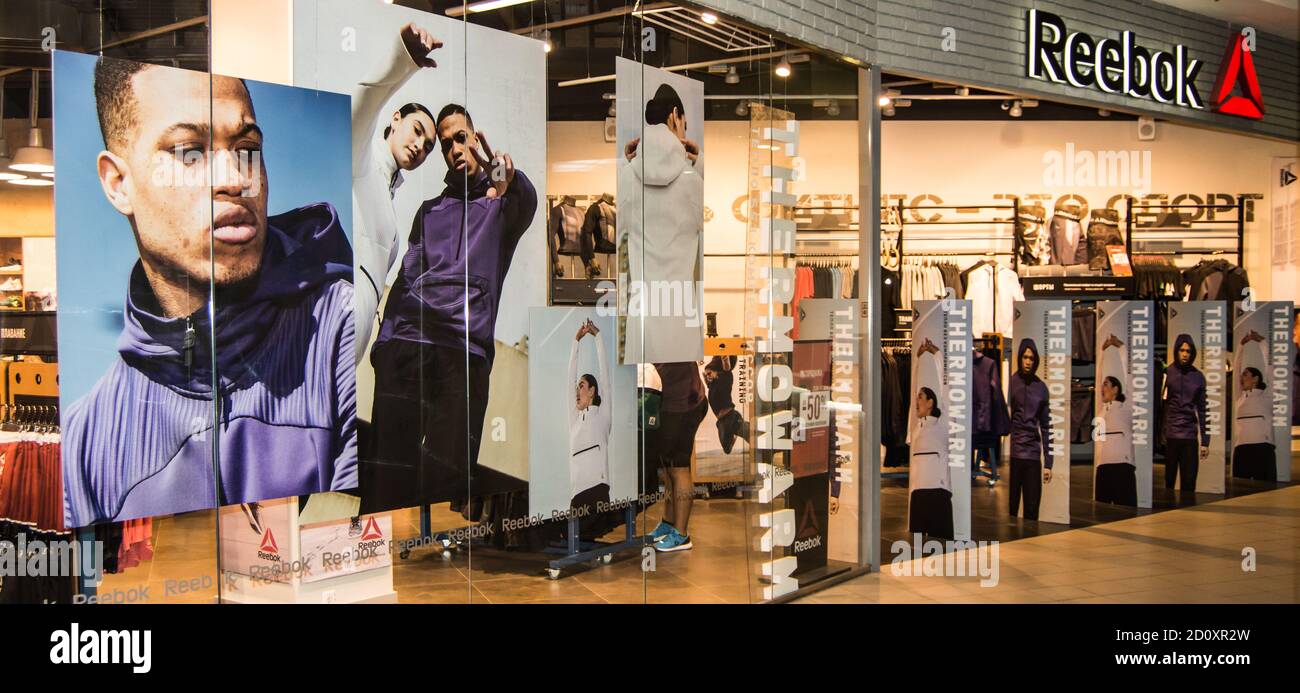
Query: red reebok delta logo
[1238, 67]
[268, 543]
[372, 530]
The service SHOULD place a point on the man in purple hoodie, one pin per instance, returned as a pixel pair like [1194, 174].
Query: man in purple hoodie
[1185, 410]
[176, 164]
[1031, 422]
[433, 355]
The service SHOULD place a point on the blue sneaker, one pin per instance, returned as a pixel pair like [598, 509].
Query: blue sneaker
[660, 531]
[673, 541]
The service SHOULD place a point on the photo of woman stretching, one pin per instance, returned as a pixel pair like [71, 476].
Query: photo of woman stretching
[1116, 480]
[929, 508]
[589, 427]
[1254, 455]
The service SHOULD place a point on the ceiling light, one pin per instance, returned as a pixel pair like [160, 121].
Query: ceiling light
[783, 69]
[485, 6]
[709, 18]
[1015, 110]
[35, 157]
[1103, 112]
[888, 110]
[833, 109]
[48, 175]
[742, 109]
[33, 182]
[733, 77]
[963, 91]
[902, 103]
[884, 101]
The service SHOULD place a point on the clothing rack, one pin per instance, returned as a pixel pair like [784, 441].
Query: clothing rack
[1239, 225]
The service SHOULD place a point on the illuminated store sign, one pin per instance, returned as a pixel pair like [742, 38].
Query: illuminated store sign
[1113, 65]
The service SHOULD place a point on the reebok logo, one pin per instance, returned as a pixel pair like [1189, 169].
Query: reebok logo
[372, 530]
[1238, 69]
[268, 543]
[1115, 66]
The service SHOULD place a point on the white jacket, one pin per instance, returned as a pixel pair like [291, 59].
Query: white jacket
[374, 179]
[661, 224]
[980, 290]
[589, 428]
[1253, 418]
[929, 458]
[1117, 446]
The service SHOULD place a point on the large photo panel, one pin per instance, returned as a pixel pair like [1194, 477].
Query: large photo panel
[1262, 355]
[1194, 396]
[171, 180]
[582, 406]
[1124, 423]
[1038, 400]
[660, 194]
[449, 155]
[938, 422]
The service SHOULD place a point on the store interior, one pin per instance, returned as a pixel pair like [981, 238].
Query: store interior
[961, 168]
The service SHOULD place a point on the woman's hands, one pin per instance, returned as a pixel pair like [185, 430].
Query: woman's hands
[419, 43]
[588, 328]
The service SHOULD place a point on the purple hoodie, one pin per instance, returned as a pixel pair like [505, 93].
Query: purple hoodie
[452, 257]
[1031, 418]
[1185, 398]
[140, 442]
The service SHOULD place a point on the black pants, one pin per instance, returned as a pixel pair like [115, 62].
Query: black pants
[1255, 461]
[1182, 455]
[672, 443]
[930, 512]
[426, 427]
[585, 506]
[1026, 477]
[1117, 483]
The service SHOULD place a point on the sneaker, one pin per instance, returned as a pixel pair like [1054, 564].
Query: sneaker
[674, 541]
[661, 531]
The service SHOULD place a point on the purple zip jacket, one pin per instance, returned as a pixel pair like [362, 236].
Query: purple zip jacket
[140, 442]
[1185, 398]
[1031, 419]
[449, 288]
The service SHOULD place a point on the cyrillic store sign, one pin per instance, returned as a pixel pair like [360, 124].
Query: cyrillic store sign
[1112, 65]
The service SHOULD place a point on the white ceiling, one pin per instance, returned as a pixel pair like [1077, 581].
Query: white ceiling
[1280, 17]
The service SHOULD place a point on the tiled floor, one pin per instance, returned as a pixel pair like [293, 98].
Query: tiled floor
[1189, 555]
[1109, 553]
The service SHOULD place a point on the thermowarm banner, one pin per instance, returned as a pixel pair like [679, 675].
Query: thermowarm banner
[1039, 401]
[1262, 358]
[939, 421]
[1123, 427]
[1204, 326]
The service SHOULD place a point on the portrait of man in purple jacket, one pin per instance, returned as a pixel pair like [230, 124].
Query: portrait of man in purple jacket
[266, 374]
[1185, 416]
[1031, 422]
[433, 355]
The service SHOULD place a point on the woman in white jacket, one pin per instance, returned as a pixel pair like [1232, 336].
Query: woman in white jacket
[408, 136]
[1116, 475]
[590, 421]
[929, 508]
[661, 226]
[1254, 454]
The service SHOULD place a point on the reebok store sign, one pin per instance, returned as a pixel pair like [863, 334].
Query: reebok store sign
[1115, 66]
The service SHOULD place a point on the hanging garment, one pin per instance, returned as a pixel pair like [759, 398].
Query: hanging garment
[1069, 243]
[600, 227]
[566, 228]
[1032, 237]
[1216, 280]
[1103, 230]
[993, 291]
